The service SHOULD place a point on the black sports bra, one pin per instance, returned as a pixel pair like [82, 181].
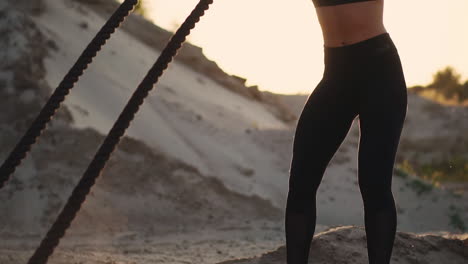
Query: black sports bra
[335, 2]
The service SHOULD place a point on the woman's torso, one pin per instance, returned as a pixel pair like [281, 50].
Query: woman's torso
[349, 23]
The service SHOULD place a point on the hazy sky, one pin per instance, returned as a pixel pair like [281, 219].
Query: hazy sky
[278, 45]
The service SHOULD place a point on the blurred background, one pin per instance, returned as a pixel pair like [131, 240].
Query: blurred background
[201, 175]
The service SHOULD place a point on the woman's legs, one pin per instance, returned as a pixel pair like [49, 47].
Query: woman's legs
[365, 79]
[324, 123]
[381, 118]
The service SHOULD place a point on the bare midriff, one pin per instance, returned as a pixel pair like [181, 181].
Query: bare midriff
[351, 23]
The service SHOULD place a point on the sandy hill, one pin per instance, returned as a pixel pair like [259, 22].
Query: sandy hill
[347, 244]
[201, 176]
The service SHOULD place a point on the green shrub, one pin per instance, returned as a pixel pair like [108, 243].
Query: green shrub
[447, 82]
[401, 173]
[454, 169]
[404, 168]
[463, 95]
[450, 169]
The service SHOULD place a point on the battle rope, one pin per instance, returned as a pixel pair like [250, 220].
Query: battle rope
[32, 134]
[88, 179]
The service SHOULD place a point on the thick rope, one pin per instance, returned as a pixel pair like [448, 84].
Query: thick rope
[32, 134]
[88, 179]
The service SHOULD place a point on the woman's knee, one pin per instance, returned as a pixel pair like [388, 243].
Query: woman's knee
[376, 196]
[303, 186]
[300, 200]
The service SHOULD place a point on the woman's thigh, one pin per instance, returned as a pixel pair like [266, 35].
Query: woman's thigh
[322, 126]
[382, 114]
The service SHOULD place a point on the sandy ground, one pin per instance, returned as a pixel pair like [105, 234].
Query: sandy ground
[201, 176]
[347, 244]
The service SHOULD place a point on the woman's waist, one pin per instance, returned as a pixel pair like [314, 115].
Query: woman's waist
[360, 51]
[341, 37]
[346, 24]
[353, 58]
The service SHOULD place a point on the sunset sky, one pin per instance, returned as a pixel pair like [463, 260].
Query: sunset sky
[278, 45]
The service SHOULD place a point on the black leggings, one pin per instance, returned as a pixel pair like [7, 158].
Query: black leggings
[365, 79]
